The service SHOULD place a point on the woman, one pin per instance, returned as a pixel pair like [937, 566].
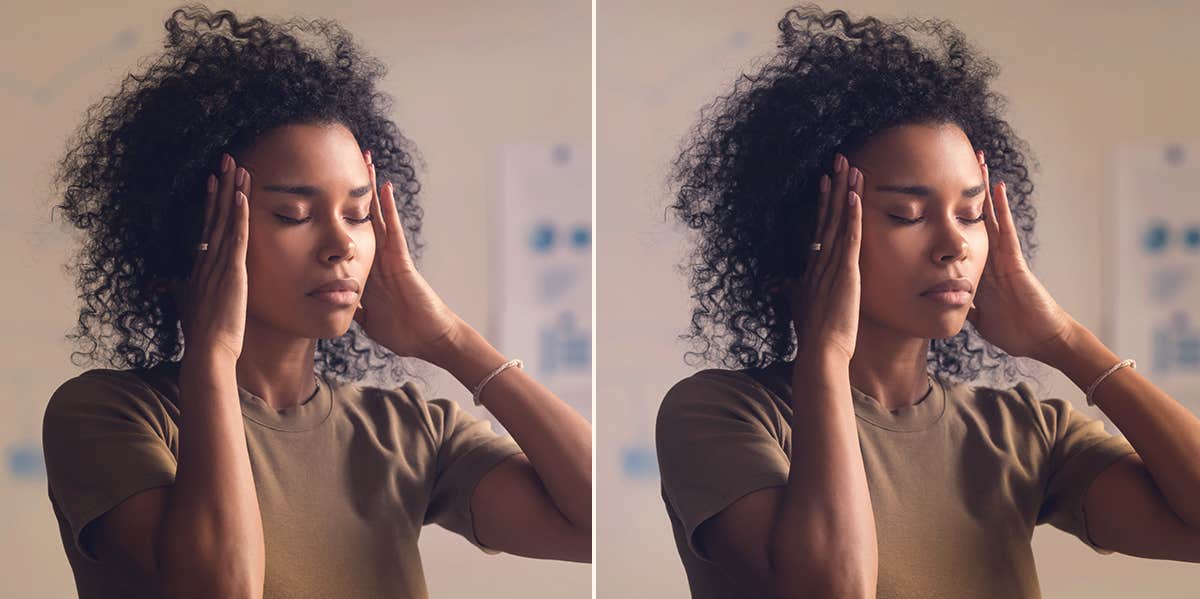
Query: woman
[245, 202]
[853, 212]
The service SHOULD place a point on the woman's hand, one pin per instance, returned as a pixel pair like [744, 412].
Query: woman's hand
[398, 308]
[212, 302]
[1012, 310]
[825, 301]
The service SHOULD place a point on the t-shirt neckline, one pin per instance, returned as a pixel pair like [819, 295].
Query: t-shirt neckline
[302, 417]
[916, 417]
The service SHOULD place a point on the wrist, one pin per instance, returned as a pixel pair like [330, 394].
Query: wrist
[465, 354]
[1080, 355]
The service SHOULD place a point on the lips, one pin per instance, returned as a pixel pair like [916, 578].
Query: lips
[337, 285]
[950, 285]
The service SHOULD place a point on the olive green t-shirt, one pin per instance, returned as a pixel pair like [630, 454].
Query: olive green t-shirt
[957, 481]
[345, 480]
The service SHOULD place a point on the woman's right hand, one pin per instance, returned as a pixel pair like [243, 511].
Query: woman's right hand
[825, 300]
[213, 299]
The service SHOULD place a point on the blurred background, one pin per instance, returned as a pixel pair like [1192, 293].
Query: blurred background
[506, 194]
[1105, 94]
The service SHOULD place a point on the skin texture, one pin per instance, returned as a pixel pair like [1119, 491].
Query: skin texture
[284, 261]
[900, 260]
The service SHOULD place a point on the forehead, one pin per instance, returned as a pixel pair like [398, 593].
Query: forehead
[922, 151]
[309, 147]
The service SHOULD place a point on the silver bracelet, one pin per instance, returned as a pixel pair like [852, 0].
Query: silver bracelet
[505, 366]
[1116, 367]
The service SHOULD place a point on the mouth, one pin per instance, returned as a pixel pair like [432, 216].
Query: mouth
[949, 298]
[337, 298]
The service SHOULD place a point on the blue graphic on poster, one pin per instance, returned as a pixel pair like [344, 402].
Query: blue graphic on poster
[1156, 270]
[544, 287]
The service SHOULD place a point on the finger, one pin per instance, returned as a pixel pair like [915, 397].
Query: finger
[852, 248]
[377, 223]
[989, 208]
[391, 215]
[837, 201]
[241, 227]
[822, 210]
[848, 250]
[841, 203]
[856, 187]
[210, 195]
[224, 200]
[241, 238]
[230, 240]
[1008, 229]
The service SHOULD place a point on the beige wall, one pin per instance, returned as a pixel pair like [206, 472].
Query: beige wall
[468, 77]
[1081, 78]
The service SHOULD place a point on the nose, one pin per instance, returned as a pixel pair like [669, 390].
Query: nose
[340, 246]
[951, 245]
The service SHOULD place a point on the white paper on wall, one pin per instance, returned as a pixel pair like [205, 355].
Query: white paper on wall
[1156, 278]
[543, 294]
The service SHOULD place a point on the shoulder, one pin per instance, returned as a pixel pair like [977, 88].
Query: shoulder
[104, 390]
[1017, 404]
[715, 388]
[710, 397]
[403, 406]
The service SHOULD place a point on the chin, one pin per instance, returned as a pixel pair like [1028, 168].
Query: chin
[952, 326]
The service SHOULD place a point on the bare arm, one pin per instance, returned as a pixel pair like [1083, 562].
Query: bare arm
[201, 536]
[1145, 505]
[815, 537]
[210, 542]
[537, 504]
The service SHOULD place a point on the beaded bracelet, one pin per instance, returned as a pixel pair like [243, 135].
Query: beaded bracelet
[1116, 367]
[505, 366]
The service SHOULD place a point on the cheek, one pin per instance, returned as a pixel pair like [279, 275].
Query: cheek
[979, 251]
[270, 256]
[886, 260]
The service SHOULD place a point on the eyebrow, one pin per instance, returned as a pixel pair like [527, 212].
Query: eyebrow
[310, 191]
[923, 191]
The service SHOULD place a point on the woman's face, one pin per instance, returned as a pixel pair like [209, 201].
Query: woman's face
[928, 174]
[314, 174]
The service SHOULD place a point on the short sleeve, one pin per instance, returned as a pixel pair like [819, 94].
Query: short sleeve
[1079, 449]
[466, 449]
[104, 438]
[718, 439]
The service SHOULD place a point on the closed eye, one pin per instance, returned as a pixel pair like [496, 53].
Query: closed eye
[293, 221]
[913, 221]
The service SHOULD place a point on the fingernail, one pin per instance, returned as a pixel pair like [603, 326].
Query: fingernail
[854, 176]
[853, 198]
[226, 163]
[368, 157]
[837, 163]
[239, 197]
[241, 176]
[211, 184]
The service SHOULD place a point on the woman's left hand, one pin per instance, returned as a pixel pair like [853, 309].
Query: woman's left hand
[398, 307]
[1012, 310]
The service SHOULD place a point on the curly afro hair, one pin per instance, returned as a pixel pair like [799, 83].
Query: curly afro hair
[747, 176]
[133, 175]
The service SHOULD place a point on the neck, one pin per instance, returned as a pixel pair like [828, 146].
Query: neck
[889, 366]
[276, 367]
